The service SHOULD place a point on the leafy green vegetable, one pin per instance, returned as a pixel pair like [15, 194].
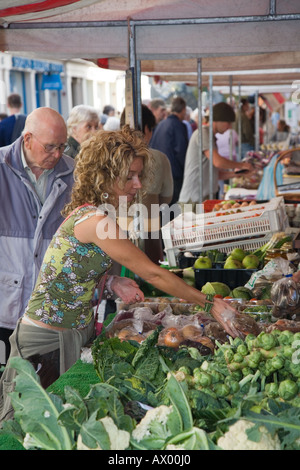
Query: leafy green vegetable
[94, 434]
[108, 353]
[179, 401]
[37, 411]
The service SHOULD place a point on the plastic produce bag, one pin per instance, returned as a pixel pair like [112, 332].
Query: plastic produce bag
[270, 273]
[285, 296]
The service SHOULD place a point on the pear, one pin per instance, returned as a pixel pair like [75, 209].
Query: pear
[232, 263]
[203, 262]
[250, 262]
[238, 253]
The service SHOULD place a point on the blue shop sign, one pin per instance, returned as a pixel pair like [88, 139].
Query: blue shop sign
[51, 82]
[36, 64]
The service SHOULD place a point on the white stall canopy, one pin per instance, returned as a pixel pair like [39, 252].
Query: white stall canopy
[200, 42]
[169, 35]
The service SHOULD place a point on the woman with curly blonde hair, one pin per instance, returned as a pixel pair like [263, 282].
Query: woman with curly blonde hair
[58, 320]
[103, 161]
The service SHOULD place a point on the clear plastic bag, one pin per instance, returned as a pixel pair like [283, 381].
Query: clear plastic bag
[285, 296]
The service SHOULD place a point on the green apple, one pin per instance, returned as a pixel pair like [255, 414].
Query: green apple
[238, 253]
[250, 262]
[203, 262]
[232, 263]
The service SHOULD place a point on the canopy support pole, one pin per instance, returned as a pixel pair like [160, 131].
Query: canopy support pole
[211, 136]
[199, 78]
[256, 122]
[240, 123]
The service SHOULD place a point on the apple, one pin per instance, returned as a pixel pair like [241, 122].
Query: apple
[250, 262]
[238, 253]
[203, 262]
[232, 263]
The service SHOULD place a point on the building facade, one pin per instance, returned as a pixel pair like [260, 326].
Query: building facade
[60, 84]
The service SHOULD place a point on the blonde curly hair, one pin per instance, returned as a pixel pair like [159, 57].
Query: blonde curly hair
[103, 160]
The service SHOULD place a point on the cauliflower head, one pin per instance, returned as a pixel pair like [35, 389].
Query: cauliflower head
[119, 439]
[153, 423]
[236, 438]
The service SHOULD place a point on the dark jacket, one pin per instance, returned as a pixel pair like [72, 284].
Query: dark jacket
[73, 147]
[11, 128]
[170, 137]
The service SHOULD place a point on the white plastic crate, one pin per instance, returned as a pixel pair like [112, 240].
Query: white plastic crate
[193, 232]
[276, 203]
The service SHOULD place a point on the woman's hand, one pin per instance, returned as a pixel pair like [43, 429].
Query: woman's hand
[127, 289]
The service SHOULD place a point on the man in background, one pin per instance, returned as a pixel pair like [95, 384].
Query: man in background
[170, 137]
[158, 108]
[36, 182]
[223, 117]
[247, 132]
[159, 192]
[12, 126]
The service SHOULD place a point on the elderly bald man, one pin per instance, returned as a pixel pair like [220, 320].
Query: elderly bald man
[36, 180]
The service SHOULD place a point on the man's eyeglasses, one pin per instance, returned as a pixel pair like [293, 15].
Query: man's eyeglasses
[49, 148]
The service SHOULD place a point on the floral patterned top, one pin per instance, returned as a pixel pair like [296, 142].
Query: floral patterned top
[68, 276]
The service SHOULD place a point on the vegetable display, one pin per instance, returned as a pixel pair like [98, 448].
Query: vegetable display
[244, 396]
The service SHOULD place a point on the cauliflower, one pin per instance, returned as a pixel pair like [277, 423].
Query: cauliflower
[236, 438]
[119, 440]
[154, 422]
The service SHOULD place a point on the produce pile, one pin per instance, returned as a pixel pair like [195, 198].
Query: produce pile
[231, 204]
[256, 380]
[238, 258]
[172, 377]
[244, 396]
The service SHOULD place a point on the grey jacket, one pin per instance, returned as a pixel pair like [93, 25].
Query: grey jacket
[26, 227]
